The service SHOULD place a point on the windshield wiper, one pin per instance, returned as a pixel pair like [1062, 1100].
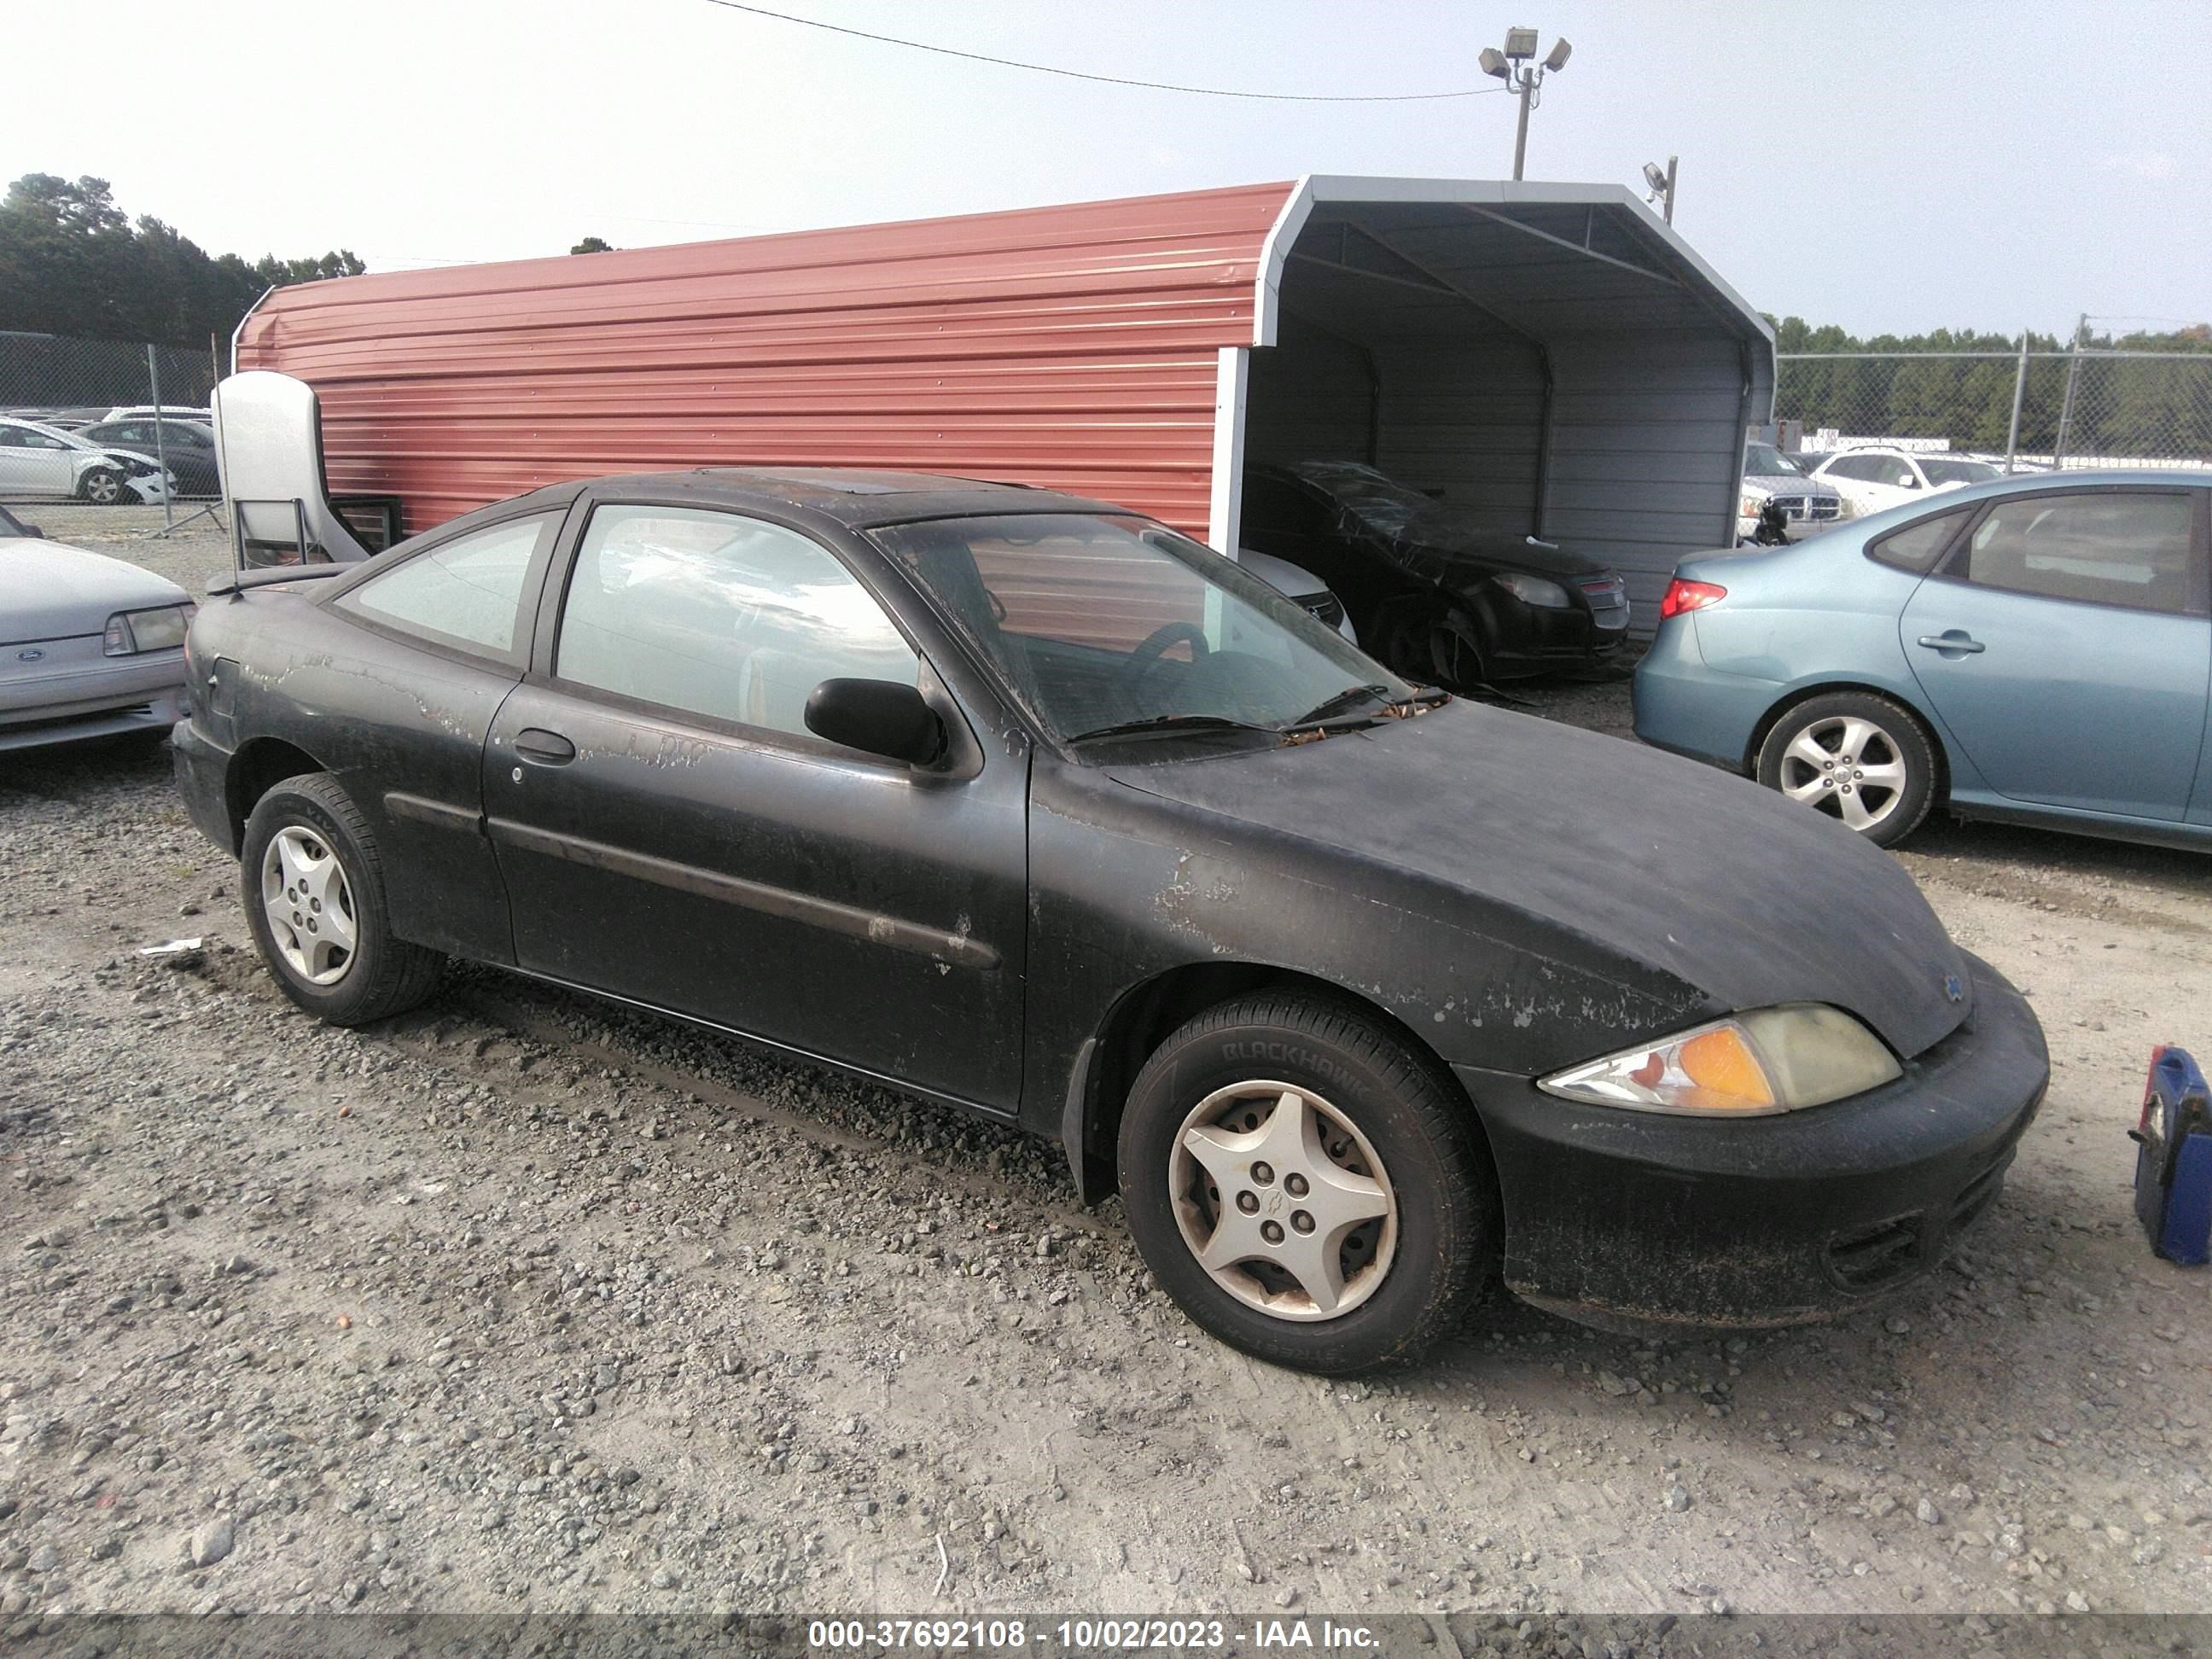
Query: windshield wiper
[1171, 723]
[1343, 702]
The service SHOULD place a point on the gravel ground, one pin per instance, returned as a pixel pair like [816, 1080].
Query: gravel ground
[523, 1302]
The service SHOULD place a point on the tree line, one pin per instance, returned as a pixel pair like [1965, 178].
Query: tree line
[2148, 409]
[73, 263]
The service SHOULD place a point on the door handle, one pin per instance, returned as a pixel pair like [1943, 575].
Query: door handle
[548, 748]
[1952, 640]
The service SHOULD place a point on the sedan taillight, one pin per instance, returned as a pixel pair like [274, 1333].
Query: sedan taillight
[1682, 596]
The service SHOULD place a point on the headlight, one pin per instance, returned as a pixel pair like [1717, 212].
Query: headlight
[1772, 1059]
[130, 633]
[1533, 590]
[1751, 506]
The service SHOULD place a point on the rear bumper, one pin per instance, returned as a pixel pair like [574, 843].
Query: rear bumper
[1635, 1219]
[1683, 706]
[202, 770]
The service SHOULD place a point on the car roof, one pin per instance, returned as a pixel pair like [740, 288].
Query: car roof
[852, 498]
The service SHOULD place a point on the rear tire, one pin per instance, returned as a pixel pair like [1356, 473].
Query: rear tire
[1305, 1187]
[310, 876]
[1863, 759]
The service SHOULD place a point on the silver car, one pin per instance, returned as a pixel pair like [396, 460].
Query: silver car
[89, 646]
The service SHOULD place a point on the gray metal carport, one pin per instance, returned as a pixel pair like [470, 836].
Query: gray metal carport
[1553, 355]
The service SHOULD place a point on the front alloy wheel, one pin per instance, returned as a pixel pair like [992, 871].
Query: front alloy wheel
[1283, 1200]
[103, 486]
[1306, 1184]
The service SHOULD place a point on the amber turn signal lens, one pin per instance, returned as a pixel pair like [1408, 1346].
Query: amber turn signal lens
[1722, 1064]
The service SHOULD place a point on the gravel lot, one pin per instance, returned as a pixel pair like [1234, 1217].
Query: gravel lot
[523, 1302]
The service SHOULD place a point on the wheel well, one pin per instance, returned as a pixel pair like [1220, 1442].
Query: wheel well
[256, 767]
[1772, 718]
[1145, 1017]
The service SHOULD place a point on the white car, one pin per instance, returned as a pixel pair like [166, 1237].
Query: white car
[1874, 479]
[44, 461]
[149, 412]
[89, 646]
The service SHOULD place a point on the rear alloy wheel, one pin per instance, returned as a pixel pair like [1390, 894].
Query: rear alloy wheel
[1861, 758]
[103, 487]
[1305, 1187]
[313, 886]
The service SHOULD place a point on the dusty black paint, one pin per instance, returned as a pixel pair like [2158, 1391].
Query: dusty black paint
[998, 928]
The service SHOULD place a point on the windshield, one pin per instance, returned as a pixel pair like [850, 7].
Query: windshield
[1941, 471]
[1766, 461]
[1103, 625]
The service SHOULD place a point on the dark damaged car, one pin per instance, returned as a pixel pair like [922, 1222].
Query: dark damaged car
[1363, 996]
[1435, 589]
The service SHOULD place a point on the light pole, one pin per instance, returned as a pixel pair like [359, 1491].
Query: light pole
[1514, 67]
[1661, 181]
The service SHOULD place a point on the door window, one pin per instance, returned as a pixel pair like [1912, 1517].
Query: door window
[466, 594]
[2129, 548]
[719, 616]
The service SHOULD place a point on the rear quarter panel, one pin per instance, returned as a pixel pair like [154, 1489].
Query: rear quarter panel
[394, 724]
[1801, 618]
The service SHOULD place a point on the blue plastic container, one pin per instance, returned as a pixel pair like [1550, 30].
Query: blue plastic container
[2174, 1159]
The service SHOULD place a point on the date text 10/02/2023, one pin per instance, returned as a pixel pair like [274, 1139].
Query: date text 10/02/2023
[1087, 1635]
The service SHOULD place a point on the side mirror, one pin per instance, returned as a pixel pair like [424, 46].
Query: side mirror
[1906, 481]
[877, 717]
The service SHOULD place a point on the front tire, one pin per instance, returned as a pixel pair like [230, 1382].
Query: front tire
[1863, 759]
[103, 487]
[1305, 1187]
[312, 883]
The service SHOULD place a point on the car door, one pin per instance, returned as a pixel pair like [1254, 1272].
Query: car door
[2065, 643]
[401, 715]
[38, 463]
[670, 832]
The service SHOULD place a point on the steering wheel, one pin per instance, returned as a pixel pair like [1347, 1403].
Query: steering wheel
[1155, 645]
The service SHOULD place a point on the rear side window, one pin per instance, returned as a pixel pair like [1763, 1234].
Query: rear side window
[714, 614]
[1917, 546]
[2129, 548]
[466, 594]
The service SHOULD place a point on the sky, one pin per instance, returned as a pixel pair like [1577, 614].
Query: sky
[1886, 167]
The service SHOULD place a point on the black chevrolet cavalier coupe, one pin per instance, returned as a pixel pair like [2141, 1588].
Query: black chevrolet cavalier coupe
[1363, 997]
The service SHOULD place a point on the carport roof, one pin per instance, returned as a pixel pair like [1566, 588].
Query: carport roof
[1389, 256]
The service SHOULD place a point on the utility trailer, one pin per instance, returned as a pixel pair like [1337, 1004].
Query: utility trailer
[1551, 356]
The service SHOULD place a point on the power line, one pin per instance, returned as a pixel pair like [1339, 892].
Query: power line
[1113, 80]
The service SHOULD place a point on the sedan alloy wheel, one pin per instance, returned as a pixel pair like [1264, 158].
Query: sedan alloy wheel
[1283, 1200]
[309, 903]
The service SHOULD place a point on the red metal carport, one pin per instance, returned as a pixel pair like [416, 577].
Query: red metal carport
[1552, 353]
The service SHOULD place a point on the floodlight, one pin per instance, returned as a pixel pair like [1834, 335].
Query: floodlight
[1493, 62]
[1558, 57]
[1656, 176]
[1520, 43]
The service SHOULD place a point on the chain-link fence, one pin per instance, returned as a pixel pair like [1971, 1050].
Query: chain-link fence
[2030, 409]
[107, 422]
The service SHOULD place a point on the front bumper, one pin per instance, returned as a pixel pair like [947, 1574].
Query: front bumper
[110, 696]
[1637, 1220]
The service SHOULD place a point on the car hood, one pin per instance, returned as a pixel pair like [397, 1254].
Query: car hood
[1724, 886]
[51, 591]
[1786, 484]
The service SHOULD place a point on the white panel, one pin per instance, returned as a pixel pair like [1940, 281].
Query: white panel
[1225, 508]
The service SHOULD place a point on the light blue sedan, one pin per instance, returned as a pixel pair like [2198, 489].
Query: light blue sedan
[2038, 649]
